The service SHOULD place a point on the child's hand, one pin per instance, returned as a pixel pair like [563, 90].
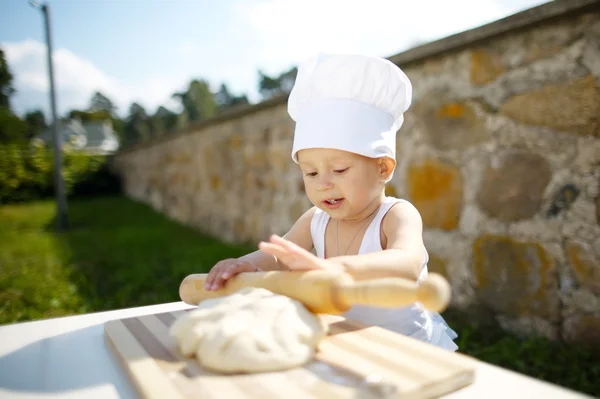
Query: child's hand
[294, 256]
[226, 269]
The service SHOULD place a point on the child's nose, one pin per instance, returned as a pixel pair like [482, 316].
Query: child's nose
[324, 184]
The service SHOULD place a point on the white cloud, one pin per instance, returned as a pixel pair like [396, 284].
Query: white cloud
[76, 80]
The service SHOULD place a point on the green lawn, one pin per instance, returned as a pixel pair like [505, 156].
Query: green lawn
[116, 254]
[119, 253]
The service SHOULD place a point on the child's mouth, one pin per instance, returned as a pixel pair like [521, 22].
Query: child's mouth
[333, 203]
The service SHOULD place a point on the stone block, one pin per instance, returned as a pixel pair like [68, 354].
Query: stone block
[515, 278]
[485, 66]
[548, 40]
[579, 222]
[235, 141]
[435, 188]
[215, 182]
[580, 301]
[588, 155]
[572, 107]
[584, 263]
[513, 189]
[583, 328]
[557, 69]
[256, 159]
[280, 159]
[449, 124]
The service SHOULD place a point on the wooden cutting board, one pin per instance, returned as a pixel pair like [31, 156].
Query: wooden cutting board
[353, 361]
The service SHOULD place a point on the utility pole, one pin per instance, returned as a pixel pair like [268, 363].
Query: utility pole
[59, 185]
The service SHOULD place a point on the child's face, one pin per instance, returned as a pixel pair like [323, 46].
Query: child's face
[341, 183]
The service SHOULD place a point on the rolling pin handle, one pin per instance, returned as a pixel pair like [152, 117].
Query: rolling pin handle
[433, 292]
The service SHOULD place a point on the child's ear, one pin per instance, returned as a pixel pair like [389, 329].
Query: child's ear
[385, 168]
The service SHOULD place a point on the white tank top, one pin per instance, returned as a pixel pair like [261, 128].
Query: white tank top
[411, 320]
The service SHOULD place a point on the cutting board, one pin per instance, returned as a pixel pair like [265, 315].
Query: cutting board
[353, 361]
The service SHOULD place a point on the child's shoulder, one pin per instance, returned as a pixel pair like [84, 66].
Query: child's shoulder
[395, 201]
[401, 211]
[402, 226]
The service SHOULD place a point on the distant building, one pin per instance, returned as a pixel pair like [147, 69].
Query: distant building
[96, 137]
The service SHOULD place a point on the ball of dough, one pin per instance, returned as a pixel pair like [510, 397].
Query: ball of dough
[252, 330]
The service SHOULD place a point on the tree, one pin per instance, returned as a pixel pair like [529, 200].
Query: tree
[225, 99]
[89, 116]
[282, 84]
[137, 126]
[36, 123]
[287, 79]
[267, 86]
[163, 121]
[99, 102]
[198, 101]
[6, 77]
[12, 128]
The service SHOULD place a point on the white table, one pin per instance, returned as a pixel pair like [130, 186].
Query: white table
[68, 357]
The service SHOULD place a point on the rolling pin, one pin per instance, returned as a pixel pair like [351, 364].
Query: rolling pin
[326, 291]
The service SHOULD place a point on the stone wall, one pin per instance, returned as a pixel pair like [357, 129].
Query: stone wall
[500, 152]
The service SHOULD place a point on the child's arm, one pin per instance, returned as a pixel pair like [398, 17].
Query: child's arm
[404, 253]
[402, 256]
[299, 234]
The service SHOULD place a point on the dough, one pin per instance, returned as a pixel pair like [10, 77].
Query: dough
[252, 330]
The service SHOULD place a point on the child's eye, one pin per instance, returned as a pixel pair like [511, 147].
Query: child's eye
[311, 174]
[340, 170]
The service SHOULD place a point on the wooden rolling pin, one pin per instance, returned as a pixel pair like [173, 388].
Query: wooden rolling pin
[331, 292]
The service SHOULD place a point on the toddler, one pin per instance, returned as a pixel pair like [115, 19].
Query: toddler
[347, 110]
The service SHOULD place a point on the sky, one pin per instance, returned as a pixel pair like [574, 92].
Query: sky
[145, 50]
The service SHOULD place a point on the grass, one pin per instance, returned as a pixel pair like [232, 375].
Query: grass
[119, 253]
[116, 254]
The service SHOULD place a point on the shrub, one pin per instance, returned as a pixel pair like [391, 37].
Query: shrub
[27, 174]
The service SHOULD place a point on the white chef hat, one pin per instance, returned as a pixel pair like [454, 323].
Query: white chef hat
[349, 102]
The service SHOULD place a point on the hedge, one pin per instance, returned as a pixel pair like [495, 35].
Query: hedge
[27, 174]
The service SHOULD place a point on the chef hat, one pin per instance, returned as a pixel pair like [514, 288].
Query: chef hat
[349, 102]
